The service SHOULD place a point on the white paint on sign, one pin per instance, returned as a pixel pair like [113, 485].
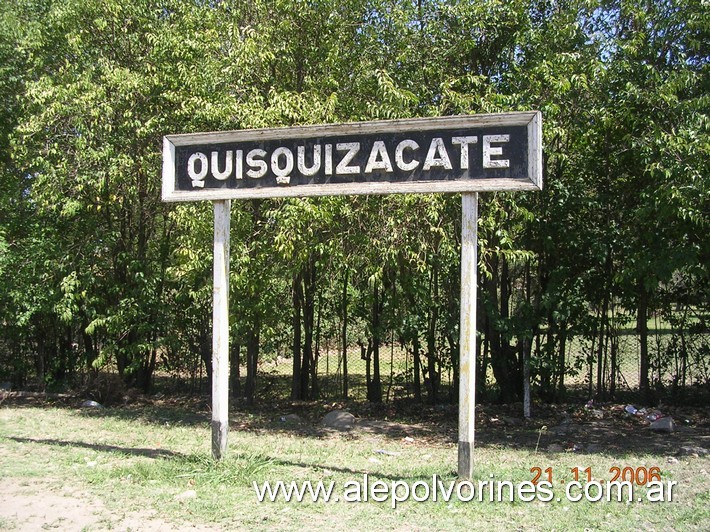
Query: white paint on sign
[445, 154]
[198, 178]
[282, 162]
[379, 158]
[464, 142]
[437, 155]
[255, 161]
[315, 167]
[350, 149]
[399, 155]
[228, 161]
[283, 174]
[328, 159]
[239, 170]
[489, 150]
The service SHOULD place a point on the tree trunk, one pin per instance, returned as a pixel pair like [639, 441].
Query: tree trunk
[205, 346]
[297, 297]
[642, 330]
[344, 333]
[546, 384]
[315, 385]
[252, 361]
[526, 346]
[417, 369]
[455, 356]
[376, 387]
[561, 362]
[604, 325]
[600, 348]
[121, 363]
[503, 359]
[590, 360]
[683, 351]
[432, 383]
[613, 365]
[144, 374]
[484, 349]
[235, 370]
[307, 361]
[366, 355]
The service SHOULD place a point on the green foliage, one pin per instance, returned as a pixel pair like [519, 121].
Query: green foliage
[95, 270]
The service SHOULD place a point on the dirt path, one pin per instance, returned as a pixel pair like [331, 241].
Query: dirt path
[45, 504]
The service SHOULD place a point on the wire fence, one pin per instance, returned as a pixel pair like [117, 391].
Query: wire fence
[679, 361]
[679, 364]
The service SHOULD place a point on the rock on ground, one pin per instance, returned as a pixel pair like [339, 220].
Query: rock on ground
[291, 419]
[339, 420]
[664, 424]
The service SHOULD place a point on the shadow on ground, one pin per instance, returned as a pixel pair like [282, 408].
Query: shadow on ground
[605, 429]
[244, 463]
[133, 451]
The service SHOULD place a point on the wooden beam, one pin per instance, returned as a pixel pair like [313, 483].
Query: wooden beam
[520, 118]
[467, 357]
[220, 330]
[414, 187]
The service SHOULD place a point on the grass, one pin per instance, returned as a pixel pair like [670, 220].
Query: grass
[141, 460]
[7, 524]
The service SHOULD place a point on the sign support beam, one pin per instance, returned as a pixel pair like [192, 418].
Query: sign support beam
[467, 342]
[464, 154]
[220, 330]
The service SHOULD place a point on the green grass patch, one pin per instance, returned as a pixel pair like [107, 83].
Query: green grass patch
[152, 462]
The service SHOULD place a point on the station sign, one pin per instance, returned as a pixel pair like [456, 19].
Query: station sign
[448, 154]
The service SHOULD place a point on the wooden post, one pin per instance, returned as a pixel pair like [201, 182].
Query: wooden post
[220, 330]
[467, 365]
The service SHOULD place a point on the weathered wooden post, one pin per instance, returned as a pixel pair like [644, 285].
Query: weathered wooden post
[467, 332]
[220, 330]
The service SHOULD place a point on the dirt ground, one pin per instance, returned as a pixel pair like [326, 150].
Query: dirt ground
[50, 504]
[47, 503]
[603, 428]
